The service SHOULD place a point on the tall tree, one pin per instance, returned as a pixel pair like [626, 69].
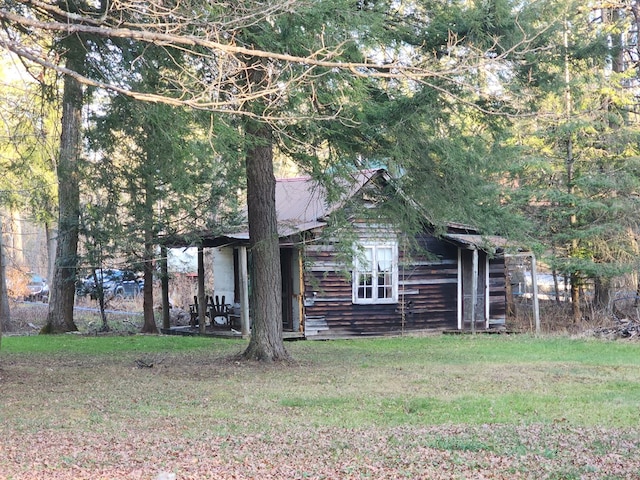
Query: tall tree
[266, 339]
[577, 176]
[309, 53]
[155, 166]
[27, 120]
[5, 314]
[62, 295]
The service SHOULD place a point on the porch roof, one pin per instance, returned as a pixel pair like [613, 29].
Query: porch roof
[486, 243]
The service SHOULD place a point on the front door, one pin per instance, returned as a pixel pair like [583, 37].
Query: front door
[474, 293]
[286, 266]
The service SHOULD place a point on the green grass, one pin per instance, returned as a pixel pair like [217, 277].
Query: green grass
[397, 381]
[519, 398]
[99, 345]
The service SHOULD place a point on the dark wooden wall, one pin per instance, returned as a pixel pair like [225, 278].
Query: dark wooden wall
[497, 290]
[427, 293]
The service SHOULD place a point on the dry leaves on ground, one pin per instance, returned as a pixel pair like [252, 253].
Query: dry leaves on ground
[490, 451]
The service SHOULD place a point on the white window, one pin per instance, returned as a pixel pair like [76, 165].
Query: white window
[375, 277]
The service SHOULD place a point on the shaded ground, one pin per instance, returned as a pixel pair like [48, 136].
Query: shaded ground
[124, 316]
[28, 317]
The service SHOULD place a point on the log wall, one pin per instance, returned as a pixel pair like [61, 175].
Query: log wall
[427, 293]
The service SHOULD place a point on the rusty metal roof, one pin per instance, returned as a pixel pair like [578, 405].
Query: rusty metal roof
[301, 205]
[486, 243]
[302, 201]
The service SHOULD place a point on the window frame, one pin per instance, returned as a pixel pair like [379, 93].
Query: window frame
[358, 271]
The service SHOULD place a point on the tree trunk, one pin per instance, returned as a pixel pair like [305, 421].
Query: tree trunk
[576, 309]
[164, 279]
[266, 342]
[149, 325]
[51, 250]
[60, 316]
[201, 297]
[15, 232]
[100, 293]
[5, 313]
[602, 293]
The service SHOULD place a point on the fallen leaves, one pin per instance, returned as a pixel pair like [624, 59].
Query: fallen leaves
[507, 452]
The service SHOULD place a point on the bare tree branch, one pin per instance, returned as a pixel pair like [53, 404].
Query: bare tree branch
[225, 89]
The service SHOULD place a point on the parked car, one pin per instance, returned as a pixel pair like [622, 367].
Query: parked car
[115, 283]
[38, 289]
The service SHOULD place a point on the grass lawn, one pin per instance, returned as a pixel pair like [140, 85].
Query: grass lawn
[79, 407]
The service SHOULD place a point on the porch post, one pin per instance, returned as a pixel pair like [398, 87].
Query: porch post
[164, 282]
[460, 292]
[474, 290]
[202, 302]
[534, 284]
[244, 291]
[487, 291]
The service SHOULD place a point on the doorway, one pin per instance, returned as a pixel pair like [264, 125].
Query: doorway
[474, 301]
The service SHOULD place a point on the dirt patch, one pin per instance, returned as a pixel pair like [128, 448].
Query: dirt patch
[27, 318]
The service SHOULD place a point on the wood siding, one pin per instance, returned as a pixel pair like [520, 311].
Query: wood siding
[427, 292]
[497, 290]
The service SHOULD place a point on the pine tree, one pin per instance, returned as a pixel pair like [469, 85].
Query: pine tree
[578, 171]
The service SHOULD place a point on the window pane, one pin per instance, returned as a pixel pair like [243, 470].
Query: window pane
[385, 292]
[374, 275]
[385, 266]
[367, 260]
[384, 285]
[365, 285]
[385, 256]
[365, 292]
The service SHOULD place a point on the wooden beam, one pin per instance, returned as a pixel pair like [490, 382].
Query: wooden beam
[300, 296]
[202, 301]
[244, 291]
[460, 291]
[487, 292]
[474, 290]
[534, 284]
[164, 282]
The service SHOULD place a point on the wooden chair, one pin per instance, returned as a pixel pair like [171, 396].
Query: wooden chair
[193, 312]
[218, 311]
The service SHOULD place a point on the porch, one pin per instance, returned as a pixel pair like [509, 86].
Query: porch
[226, 311]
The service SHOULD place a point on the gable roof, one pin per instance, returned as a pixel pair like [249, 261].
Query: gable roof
[302, 205]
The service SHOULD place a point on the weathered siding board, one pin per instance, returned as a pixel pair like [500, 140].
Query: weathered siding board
[497, 289]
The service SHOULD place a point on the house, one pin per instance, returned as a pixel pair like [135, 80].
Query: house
[382, 282]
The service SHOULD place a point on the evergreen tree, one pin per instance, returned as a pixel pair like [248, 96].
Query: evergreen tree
[157, 172]
[578, 173]
[296, 68]
[27, 126]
